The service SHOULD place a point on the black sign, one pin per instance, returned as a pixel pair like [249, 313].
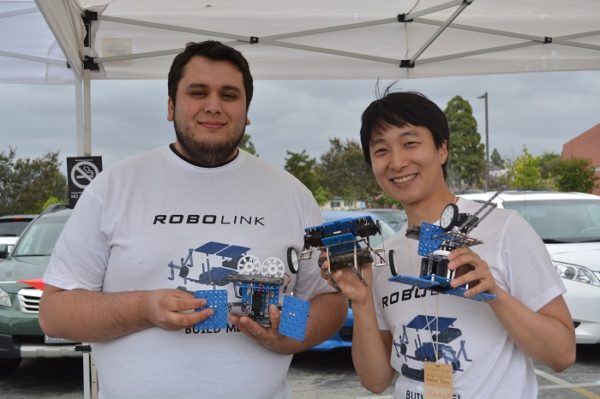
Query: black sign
[81, 171]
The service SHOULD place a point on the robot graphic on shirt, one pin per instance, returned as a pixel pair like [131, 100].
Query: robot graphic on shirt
[443, 346]
[256, 286]
[435, 244]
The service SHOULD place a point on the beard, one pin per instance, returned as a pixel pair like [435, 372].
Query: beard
[206, 153]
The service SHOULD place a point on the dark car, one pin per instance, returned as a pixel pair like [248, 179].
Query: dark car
[343, 338]
[20, 292]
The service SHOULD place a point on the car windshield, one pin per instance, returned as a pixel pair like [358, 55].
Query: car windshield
[40, 237]
[12, 228]
[561, 221]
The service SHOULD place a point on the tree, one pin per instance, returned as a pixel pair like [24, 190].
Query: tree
[497, 160]
[525, 172]
[26, 184]
[550, 164]
[247, 145]
[343, 172]
[301, 165]
[576, 174]
[466, 158]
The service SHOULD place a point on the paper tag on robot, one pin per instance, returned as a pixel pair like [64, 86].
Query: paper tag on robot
[438, 380]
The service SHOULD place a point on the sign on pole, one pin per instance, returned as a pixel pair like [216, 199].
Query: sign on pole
[81, 171]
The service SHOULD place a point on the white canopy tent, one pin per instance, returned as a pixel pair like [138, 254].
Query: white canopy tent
[82, 40]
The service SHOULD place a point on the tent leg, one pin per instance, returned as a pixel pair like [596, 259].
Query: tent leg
[83, 115]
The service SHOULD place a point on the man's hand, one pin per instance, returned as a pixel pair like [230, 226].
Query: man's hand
[347, 281]
[173, 309]
[472, 270]
[268, 337]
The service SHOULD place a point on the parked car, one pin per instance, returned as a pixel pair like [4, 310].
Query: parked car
[395, 218]
[20, 293]
[11, 227]
[569, 225]
[343, 338]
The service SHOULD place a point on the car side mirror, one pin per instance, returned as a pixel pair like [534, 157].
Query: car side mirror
[5, 250]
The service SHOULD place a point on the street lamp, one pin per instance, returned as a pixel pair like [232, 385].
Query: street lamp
[487, 148]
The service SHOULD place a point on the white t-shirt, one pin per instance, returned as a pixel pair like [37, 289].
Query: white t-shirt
[139, 222]
[463, 332]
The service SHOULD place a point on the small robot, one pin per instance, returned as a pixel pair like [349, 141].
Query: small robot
[257, 285]
[435, 244]
[346, 244]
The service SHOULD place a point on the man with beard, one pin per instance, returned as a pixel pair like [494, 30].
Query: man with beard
[111, 278]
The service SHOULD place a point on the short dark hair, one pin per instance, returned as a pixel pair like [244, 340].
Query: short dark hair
[215, 51]
[400, 109]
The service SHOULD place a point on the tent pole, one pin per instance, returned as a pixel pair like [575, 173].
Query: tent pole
[79, 114]
[87, 114]
[83, 113]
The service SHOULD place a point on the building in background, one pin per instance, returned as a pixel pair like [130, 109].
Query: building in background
[586, 145]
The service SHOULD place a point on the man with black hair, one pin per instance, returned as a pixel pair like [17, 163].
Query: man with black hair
[427, 343]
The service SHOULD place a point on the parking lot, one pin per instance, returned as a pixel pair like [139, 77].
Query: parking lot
[323, 375]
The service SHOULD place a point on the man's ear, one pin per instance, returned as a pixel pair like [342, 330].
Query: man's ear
[170, 110]
[443, 150]
[247, 121]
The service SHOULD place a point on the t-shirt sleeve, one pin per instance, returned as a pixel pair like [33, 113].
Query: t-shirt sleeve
[81, 253]
[531, 276]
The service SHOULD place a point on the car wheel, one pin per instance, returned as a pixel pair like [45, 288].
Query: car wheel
[8, 366]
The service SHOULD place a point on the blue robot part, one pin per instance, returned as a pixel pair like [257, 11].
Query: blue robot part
[436, 242]
[346, 243]
[217, 301]
[439, 284]
[294, 317]
[257, 293]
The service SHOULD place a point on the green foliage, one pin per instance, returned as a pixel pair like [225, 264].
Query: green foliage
[576, 174]
[303, 167]
[343, 172]
[247, 145]
[551, 172]
[466, 160]
[526, 172]
[52, 201]
[26, 184]
[496, 159]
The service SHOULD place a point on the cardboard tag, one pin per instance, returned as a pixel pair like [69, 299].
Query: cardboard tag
[438, 381]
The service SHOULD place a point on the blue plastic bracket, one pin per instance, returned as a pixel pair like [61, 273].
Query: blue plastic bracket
[217, 301]
[294, 317]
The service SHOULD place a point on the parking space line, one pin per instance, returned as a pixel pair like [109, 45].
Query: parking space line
[567, 385]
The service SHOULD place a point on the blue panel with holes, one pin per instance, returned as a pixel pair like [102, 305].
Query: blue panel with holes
[430, 238]
[294, 317]
[217, 301]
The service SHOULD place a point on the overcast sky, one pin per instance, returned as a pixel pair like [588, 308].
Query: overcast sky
[539, 110]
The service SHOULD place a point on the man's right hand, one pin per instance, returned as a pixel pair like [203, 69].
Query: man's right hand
[349, 284]
[173, 309]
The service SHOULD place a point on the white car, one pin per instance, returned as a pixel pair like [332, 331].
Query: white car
[569, 225]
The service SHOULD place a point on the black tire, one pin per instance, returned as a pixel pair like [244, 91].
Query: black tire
[9, 366]
[393, 270]
[291, 252]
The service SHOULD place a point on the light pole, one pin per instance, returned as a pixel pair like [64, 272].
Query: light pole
[487, 148]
